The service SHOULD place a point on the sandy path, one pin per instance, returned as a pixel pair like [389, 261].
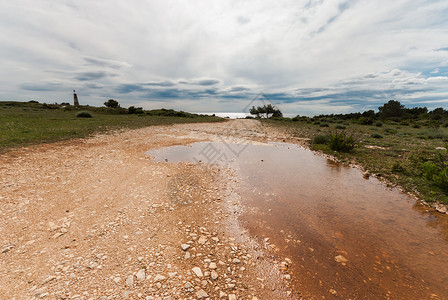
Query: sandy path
[98, 219]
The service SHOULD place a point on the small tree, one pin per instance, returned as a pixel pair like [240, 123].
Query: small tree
[391, 109]
[267, 110]
[254, 111]
[111, 103]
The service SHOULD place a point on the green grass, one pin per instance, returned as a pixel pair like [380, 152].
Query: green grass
[23, 123]
[398, 156]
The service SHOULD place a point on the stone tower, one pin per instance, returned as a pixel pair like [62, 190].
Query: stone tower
[75, 99]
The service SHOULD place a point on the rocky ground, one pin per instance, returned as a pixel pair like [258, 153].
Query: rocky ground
[98, 219]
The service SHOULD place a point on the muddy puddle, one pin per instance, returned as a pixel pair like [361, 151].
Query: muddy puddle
[346, 237]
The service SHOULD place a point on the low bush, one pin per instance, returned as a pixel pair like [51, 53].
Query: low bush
[390, 130]
[379, 124]
[83, 114]
[340, 127]
[324, 125]
[435, 133]
[321, 139]
[339, 141]
[376, 136]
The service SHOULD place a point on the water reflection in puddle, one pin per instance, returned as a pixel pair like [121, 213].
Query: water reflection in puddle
[347, 237]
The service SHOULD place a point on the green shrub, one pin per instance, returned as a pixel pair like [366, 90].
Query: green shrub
[437, 171]
[416, 126]
[341, 142]
[321, 139]
[376, 136]
[340, 127]
[390, 130]
[379, 124]
[83, 114]
[435, 133]
[324, 125]
[365, 121]
[397, 168]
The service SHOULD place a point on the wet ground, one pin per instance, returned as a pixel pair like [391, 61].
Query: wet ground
[346, 237]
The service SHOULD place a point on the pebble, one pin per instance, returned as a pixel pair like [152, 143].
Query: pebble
[197, 271]
[141, 275]
[214, 275]
[222, 294]
[236, 261]
[201, 294]
[340, 259]
[187, 255]
[159, 278]
[130, 280]
[213, 266]
[232, 297]
[185, 247]
[202, 240]
[40, 291]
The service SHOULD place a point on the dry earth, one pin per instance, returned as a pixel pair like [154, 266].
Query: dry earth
[96, 218]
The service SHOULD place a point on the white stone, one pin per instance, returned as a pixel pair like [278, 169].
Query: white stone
[141, 275]
[213, 266]
[185, 247]
[130, 280]
[159, 278]
[214, 275]
[201, 294]
[197, 271]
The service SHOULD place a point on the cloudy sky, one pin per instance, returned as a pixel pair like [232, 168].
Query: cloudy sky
[307, 56]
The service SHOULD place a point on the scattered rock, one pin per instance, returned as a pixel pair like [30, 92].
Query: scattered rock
[185, 247]
[201, 294]
[213, 266]
[232, 297]
[202, 240]
[117, 279]
[141, 275]
[130, 280]
[159, 278]
[197, 271]
[214, 275]
[39, 292]
[340, 259]
[48, 279]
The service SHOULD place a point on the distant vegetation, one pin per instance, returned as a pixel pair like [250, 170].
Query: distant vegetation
[25, 123]
[266, 111]
[406, 146]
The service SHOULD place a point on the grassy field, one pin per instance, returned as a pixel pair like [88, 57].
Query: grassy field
[25, 123]
[395, 151]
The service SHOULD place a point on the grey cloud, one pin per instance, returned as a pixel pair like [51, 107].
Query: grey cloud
[84, 76]
[43, 86]
[104, 62]
[243, 20]
[160, 83]
[205, 82]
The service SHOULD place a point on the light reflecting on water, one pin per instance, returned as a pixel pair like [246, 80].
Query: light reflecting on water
[347, 237]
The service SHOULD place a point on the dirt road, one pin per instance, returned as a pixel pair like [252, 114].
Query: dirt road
[98, 219]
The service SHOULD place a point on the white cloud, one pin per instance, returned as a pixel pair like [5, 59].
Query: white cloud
[304, 49]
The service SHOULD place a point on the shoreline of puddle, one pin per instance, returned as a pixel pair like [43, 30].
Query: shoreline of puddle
[346, 236]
